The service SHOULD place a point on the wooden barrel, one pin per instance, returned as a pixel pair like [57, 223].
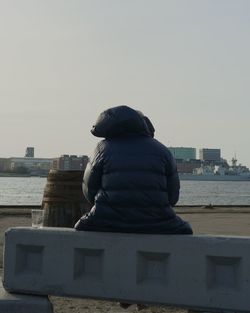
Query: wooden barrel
[63, 200]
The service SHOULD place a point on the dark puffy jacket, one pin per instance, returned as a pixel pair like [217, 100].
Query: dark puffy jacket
[132, 180]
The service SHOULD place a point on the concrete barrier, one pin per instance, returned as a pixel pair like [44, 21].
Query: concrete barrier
[202, 272]
[15, 303]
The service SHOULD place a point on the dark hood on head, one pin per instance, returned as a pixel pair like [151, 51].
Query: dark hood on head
[121, 121]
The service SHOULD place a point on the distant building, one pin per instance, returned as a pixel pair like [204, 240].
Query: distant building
[70, 162]
[3, 164]
[210, 155]
[187, 166]
[35, 166]
[30, 152]
[183, 153]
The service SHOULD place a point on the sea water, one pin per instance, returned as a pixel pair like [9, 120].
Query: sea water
[29, 191]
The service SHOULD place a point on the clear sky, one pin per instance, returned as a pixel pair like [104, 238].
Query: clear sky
[184, 63]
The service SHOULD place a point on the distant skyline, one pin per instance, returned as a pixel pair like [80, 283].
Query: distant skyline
[184, 64]
[229, 161]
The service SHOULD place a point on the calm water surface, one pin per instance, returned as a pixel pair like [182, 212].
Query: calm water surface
[21, 190]
[214, 192]
[29, 190]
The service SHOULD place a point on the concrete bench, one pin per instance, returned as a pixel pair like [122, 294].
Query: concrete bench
[16, 303]
[201, 272]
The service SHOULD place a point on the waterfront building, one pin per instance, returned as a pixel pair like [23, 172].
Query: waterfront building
[3, 164]
[34, 166]
[184, 153]
[213, 155]
[189, 166]
[29, 153]
[70, 162]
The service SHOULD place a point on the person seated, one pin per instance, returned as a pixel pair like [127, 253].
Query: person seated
[132, 179]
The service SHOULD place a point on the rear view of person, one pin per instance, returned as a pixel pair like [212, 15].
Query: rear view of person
[131, 180]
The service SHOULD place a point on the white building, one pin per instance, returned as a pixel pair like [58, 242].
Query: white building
[32, 164]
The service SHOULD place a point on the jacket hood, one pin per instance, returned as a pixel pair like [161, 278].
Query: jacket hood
[121, 121]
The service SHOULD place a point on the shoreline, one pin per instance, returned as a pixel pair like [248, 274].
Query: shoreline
[182, 176]
[9, 175]
[25, 210]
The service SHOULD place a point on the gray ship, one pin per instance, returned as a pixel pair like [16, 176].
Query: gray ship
[219, 173]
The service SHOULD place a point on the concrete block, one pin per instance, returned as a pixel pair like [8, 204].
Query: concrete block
[202, 272]
[16, 303]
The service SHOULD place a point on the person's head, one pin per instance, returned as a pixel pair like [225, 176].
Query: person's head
[120, 121]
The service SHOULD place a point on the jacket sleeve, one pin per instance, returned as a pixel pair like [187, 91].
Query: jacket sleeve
[92, 179]
[173, 181]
